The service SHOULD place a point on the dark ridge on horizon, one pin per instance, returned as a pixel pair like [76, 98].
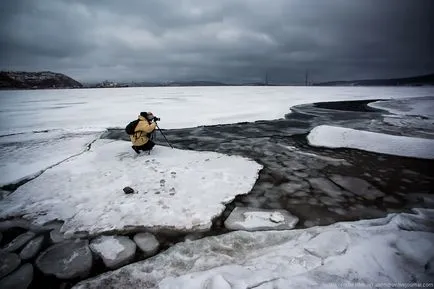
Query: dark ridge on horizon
[427, 79]
[48, 79]
[418, 80]
[36, 80]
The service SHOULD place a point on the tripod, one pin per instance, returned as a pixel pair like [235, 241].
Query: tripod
[163, 135]
[152, 137]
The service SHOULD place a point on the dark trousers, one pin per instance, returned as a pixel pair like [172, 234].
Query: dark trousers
[146, 147]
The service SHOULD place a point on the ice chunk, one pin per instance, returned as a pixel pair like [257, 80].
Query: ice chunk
[147, 243]
[20, 279]
[66, 260]
[19, 242]
[253, 219]
[8, 263]
[357, 186]
[32, 248]
[326, 186]
[115, 251]
[329, 243]
[339, 137]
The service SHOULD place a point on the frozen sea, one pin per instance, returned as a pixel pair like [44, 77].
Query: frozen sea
[178, 107]
[325, 154]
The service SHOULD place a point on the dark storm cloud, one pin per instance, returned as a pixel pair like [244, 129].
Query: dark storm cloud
[229, 40]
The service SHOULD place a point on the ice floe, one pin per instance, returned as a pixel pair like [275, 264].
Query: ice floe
[339, 137]
[176, 189]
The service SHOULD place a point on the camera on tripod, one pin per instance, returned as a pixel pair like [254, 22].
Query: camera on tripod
[150, 117]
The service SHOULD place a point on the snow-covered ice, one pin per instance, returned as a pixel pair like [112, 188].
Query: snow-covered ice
[26, 155]
[328, 243]
[184, 190]
[178, 107]
[394, 249]
[254, 219]
[115, 251]
[417, 106]
[107, 246]
[177, 190]
[410, 113]
[340, 137]
[147, 243]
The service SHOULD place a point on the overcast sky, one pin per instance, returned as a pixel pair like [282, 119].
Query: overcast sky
[225, 40]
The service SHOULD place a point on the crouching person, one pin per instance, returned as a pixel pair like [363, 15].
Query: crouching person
[141, 137]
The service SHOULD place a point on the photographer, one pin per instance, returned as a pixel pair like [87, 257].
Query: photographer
[145, 127]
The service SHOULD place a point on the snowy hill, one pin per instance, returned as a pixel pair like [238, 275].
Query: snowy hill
[36, 80]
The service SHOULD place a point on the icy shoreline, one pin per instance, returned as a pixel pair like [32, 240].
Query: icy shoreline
[392, 249]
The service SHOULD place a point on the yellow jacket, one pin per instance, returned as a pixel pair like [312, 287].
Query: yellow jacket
[143, 128]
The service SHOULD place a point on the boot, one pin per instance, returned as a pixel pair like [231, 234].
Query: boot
[136, 150]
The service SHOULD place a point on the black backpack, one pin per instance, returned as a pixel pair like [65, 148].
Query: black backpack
[129, 129]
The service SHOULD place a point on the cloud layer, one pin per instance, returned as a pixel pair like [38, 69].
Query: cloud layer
[225, 40]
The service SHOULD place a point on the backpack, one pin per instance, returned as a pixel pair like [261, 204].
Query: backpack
[129, 129]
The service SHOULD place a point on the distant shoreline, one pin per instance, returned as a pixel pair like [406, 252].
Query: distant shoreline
[10, 80]
[198, 86]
